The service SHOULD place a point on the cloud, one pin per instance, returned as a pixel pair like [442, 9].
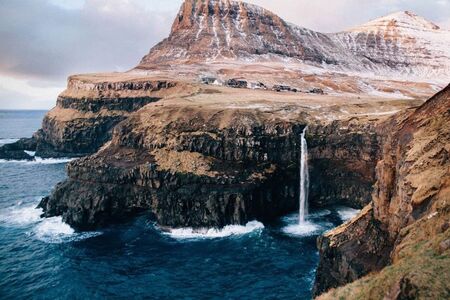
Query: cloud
[45, 40]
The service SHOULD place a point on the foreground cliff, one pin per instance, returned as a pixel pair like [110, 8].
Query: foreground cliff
[401, 239]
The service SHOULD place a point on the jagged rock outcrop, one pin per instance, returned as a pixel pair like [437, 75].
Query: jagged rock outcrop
[407, 227]
[15, 151]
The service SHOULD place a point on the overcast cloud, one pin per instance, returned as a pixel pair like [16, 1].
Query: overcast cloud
[44, 41]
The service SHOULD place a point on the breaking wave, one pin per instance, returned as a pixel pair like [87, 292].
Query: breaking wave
[38, 161]
[211, 233]
[48, 230]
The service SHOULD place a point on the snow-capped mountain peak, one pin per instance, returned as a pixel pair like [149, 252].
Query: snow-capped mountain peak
[402, 20]
[399, 45]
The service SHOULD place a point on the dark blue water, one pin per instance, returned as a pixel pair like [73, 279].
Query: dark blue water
[45, 259]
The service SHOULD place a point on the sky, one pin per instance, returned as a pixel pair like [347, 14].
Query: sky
[45, 41]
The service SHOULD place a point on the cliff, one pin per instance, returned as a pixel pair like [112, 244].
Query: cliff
[218, 156]
[402, 238]
[87, 111]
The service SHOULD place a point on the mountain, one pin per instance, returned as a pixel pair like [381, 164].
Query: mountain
[402, 41]
[223, 29]
[207, 31]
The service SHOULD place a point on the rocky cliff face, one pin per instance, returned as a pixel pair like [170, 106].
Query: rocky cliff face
[85, 115]
[406, 225]
[206, 169]
[205, 166]
[343, 157]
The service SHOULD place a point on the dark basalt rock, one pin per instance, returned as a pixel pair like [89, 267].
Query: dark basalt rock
[102, 192]
[15, 151]
[252, 174]
[352, 251]
[343, 157]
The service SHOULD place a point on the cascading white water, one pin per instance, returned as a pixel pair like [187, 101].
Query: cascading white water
[304, 179]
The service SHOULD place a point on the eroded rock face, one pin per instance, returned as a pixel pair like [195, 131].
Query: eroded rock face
[409, 216]
[209, 167]
[351, 251]
[186, 173]
[85, 115]
[343, 157]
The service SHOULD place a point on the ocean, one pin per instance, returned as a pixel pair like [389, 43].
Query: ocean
[46, 259]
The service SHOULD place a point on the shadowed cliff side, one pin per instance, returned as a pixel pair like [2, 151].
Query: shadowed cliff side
[406, 226]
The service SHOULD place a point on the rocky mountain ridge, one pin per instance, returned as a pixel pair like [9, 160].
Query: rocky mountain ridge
[398, 45]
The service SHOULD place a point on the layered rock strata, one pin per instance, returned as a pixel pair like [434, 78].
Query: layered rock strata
[206, 169]
[194, 162]
[86, 113]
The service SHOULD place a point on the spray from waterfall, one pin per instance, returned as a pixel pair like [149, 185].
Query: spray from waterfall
[304, 179]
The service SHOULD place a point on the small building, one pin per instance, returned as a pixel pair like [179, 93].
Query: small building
[237, 83]
[316, 91]
[209, 80]
[257, 86]
[281, 88]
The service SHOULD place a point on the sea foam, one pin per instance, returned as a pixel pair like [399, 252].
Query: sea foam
[305, 229]
[211, 233]
[38, 161]
[48, 230]
[313, 225]
[347, 213]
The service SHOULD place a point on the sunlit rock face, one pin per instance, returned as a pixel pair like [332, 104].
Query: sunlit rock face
[400, 44]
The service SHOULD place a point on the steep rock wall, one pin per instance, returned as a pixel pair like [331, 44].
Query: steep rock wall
[85, 114]
[411, 193]
[208, 168]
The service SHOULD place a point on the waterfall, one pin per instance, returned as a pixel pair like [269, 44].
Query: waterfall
[304, 179]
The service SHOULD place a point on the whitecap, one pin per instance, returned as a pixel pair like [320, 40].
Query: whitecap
[347, 213]
[50, 230]
[39, 161]
[211, 233]
[20, 215]
[30, 153]
[55, 231]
